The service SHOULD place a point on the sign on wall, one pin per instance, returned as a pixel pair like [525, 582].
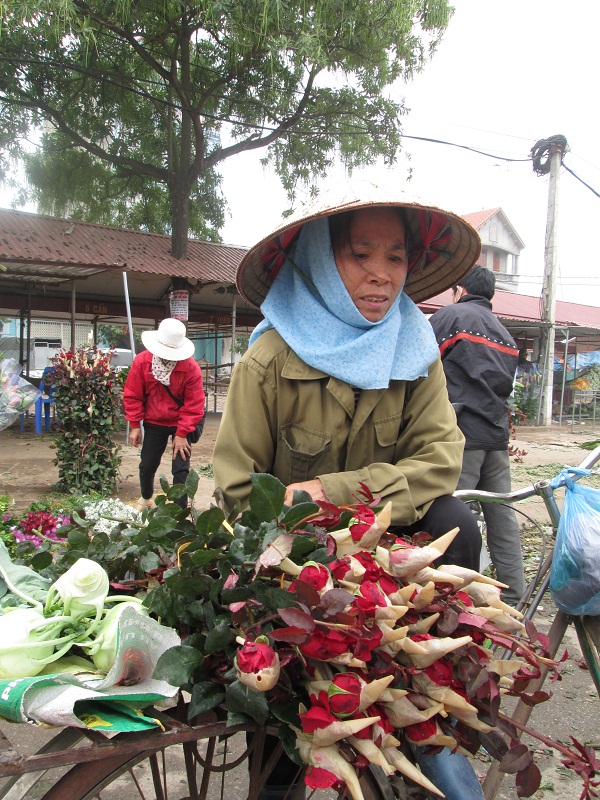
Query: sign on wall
[180, 304]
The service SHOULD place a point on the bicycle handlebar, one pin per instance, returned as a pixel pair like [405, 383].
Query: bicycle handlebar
[471, 495]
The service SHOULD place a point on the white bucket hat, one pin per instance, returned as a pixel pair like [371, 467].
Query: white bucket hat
[169, 341]
[443, 246]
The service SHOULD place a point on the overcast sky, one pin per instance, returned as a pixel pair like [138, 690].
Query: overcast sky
[506, 75]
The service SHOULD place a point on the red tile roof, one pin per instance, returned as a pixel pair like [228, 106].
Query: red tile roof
[477, 218]
[524, 308]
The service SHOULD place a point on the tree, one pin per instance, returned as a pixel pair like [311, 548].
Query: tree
[136, 97]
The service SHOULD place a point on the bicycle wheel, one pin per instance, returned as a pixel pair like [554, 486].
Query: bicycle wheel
[214, 768]
[588, 632]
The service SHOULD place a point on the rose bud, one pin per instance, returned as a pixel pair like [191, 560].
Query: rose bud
[406, 559]
[257, 665]
[328, 760]
[363, 532]
[349, 693]
[317, 576]
[429, 733]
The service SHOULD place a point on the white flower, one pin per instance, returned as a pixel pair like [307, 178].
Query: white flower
[105, 514]
[17, 658]
[82, 589]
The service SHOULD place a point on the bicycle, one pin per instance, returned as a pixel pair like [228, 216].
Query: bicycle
[183, 761]
[587, 628]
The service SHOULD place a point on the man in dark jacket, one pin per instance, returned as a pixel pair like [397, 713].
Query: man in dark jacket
[480, 359]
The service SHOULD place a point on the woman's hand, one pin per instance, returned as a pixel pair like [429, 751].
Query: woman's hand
[181, 446]
[314, 489]
[135, 437]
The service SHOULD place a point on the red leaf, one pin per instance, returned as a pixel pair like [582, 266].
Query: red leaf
[297, 618]
[517, 758]
[291, 635]
[528, 780]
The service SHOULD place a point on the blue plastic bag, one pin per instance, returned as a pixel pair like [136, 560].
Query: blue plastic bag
[575, 574]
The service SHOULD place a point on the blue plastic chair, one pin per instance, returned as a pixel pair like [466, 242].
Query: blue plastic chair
[43, 404]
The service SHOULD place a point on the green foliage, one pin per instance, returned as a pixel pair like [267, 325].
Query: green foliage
[145, 101]
[88, 402]
[7, 521]
[118, 335]
[241, 343]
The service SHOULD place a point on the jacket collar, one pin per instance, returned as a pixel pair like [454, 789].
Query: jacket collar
[297, 370]
[476, 298]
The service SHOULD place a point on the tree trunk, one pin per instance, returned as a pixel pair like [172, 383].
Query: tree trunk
[179, 222]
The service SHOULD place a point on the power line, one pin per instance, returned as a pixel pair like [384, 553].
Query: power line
[581, 180]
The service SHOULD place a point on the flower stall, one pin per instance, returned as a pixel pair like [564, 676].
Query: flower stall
[357, 643]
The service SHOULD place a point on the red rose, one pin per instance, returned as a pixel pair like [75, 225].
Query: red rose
[316, 575]
[324, 645]
[367, 643]
[440, 671]
[365, 519]
[255, 656]
[317, 716]
[421, 730]
[319, 778]
[344, 694]
[369, 597]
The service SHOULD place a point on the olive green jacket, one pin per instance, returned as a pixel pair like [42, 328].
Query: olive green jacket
[297, 423]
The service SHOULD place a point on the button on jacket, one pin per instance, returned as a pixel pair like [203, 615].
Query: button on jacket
[297, 423]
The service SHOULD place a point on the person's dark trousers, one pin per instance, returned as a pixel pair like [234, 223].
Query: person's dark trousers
[489, 471]
[445, 513]
[156, 438]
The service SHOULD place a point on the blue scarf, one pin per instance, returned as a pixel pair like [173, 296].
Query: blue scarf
[309, 306]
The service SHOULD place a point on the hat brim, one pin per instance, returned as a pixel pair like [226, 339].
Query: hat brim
[151, 343]
[439, 269]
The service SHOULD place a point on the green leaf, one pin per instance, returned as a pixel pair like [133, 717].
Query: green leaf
[301, 546]
[286, 712]
[191, 484]
[177, 665]
[78, 540]
[205, 695]
[210, 521]
[218, 638]
[41, 560]
[202, 557]
[243, 700]
[235, 718]
[266, 496]
[299, 512]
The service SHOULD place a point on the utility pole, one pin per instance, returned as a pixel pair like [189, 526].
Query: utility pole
[547, 156]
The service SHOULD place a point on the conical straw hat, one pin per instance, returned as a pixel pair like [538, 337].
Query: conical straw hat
[443, 247]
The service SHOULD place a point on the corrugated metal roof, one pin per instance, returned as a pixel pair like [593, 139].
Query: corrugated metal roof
[50, 242]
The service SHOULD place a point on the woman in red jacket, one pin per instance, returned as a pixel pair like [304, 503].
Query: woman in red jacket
[164, 391]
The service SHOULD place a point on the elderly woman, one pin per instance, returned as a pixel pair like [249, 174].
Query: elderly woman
[343, 382]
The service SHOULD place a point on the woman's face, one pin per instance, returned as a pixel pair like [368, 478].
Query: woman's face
[372, 262]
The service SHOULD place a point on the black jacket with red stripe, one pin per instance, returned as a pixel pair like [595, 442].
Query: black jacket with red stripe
[480, 359]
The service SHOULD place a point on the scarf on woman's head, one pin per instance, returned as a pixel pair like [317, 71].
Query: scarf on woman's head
[310, 308]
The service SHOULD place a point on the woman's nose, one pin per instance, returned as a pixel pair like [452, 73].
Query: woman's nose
[378, 269]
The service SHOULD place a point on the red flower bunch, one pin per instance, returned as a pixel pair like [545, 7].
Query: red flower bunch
[391, 648]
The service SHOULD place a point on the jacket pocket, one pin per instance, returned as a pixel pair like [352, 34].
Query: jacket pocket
[387, 433]
[302, 454]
